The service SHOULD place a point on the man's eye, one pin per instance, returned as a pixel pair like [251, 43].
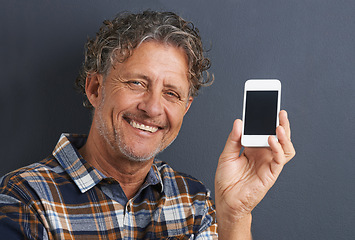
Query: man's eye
[135, 84]
[173, 96]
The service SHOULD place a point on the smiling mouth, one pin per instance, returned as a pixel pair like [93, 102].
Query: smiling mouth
[143, 127]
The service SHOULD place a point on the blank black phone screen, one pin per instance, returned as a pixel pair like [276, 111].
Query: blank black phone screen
[260, 113]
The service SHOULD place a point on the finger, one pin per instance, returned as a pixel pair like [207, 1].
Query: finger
[278, 156]
[285, 143]
[233, 145]
[284, 122]
[277, 151]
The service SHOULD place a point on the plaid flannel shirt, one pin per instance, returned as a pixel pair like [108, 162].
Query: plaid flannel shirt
[64, 197]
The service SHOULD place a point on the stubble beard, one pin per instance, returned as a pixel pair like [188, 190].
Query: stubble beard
[116, 139]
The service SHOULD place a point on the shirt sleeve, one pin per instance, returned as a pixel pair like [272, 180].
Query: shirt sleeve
[17, 219]
[208, 229]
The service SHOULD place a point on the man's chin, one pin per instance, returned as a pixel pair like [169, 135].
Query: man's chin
[138, 157]
[136, 154]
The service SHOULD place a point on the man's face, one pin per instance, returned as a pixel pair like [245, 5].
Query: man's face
[143, 101]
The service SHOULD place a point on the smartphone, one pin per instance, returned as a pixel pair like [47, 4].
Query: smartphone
[261, 109]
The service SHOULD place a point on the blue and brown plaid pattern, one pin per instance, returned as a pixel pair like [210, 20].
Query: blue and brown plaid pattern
[63, 197]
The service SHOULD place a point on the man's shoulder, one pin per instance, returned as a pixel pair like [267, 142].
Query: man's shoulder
[176, 182]
[34, 172]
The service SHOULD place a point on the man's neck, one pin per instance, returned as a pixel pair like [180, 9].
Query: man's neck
[130, 174]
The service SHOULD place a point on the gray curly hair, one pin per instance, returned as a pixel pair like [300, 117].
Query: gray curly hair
[117, 39]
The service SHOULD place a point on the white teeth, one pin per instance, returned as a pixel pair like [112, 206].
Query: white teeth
[143, 127]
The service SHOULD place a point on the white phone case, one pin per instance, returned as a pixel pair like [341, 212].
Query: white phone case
[260, 88]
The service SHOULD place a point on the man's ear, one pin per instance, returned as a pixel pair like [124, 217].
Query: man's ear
[188, 104]
[93, 88]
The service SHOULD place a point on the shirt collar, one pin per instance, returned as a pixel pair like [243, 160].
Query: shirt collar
[154, 177]
[83, 174]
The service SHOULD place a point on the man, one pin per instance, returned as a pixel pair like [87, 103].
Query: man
[140, 76]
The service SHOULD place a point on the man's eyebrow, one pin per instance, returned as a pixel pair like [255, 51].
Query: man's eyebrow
[172, 86]
[138, 75]
[147, 78]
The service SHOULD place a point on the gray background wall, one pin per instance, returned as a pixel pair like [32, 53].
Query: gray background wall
[308, 45]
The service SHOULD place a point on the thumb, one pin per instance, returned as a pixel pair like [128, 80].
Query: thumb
[233, 144]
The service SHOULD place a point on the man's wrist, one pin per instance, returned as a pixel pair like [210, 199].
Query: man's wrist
[237, 229]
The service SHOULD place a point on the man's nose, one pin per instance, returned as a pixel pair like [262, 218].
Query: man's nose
[152, 104]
